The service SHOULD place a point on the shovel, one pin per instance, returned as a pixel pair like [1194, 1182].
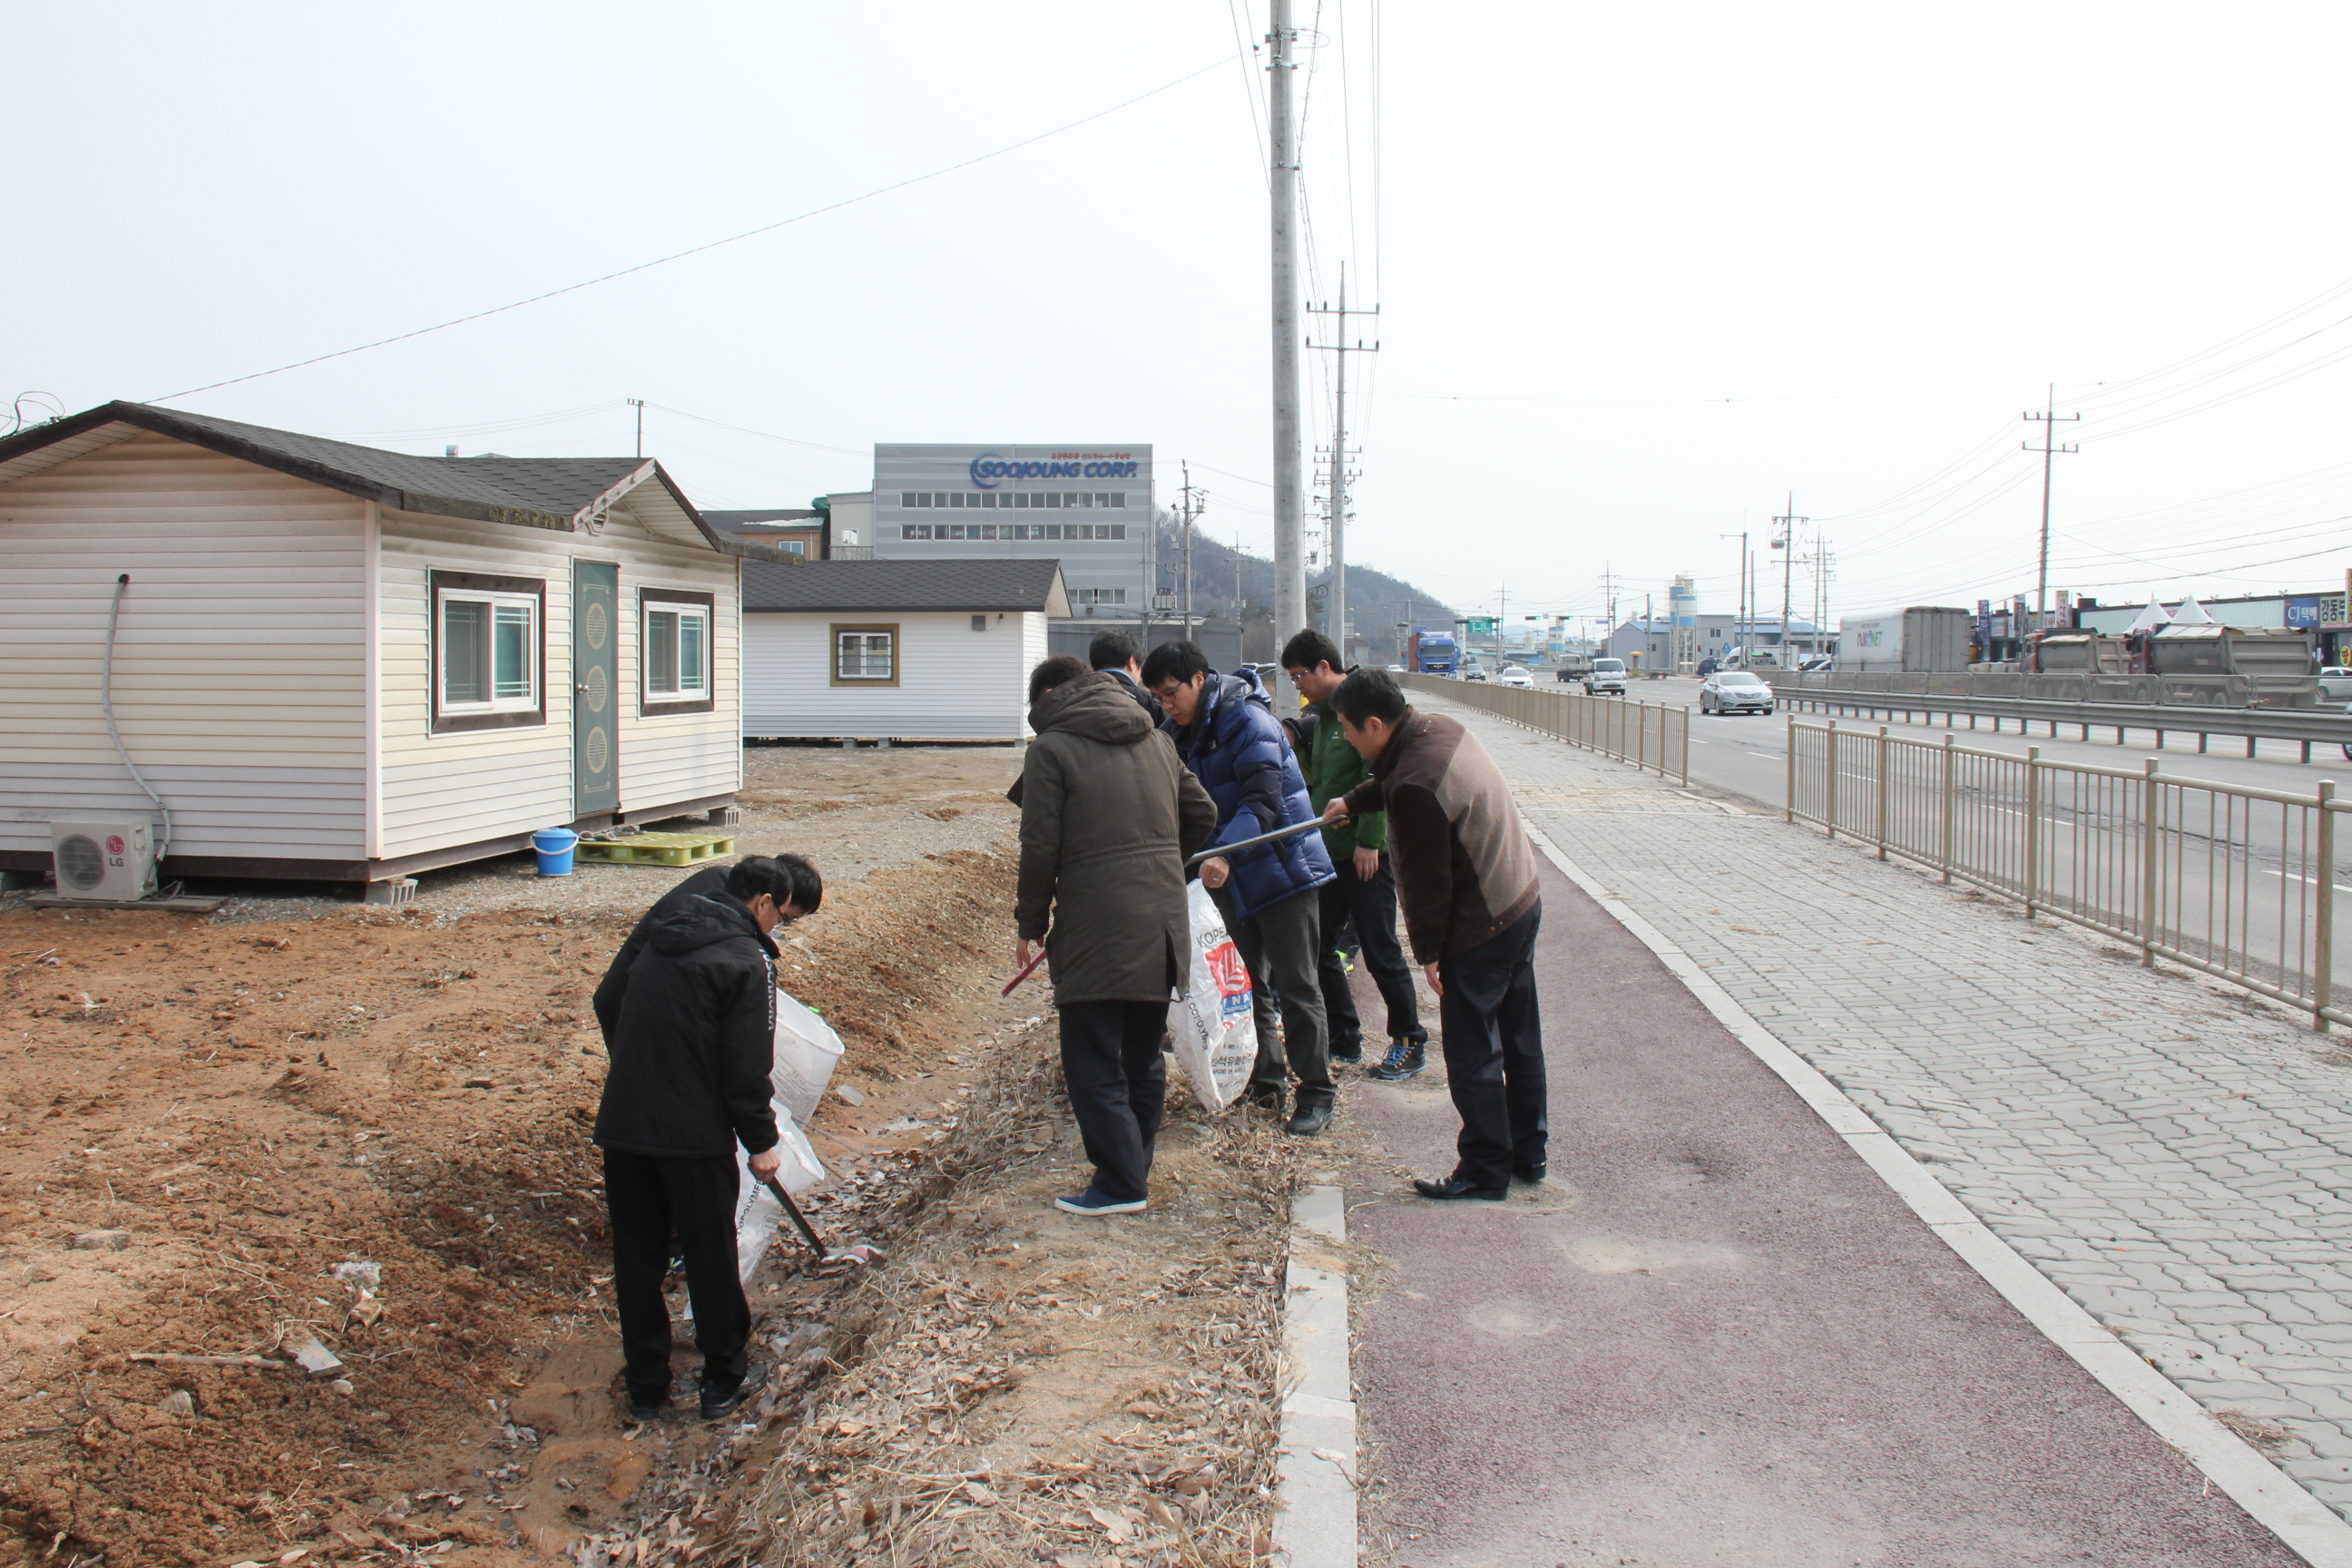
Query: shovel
[827, 1260]
[1293, 831]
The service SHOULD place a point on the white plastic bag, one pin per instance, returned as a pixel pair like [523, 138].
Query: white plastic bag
[757, 1212]
[807, 1050]
[1215, 1029]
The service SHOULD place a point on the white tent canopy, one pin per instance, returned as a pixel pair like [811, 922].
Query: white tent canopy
[2191, 613]
[2153, 618]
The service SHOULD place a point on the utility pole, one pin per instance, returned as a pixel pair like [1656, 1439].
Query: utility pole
[1340, 474]
[1191, 510]
[1739, 593]
[639, 404]
[1785, 542]
[1502, 612]
[2050, 421]
[1290, 499]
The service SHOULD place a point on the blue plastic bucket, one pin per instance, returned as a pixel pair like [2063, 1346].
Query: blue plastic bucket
[554, 845]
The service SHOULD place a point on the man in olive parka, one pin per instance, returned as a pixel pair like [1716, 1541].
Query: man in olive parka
[1107, 816]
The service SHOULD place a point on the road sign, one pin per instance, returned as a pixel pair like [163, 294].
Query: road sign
[1477, 624]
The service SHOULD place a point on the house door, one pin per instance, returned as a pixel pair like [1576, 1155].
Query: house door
[596, 705]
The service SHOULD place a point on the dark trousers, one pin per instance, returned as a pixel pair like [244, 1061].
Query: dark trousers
[1494, 1053]
[1280, 944]
[1119, 1087]
[1370, 907]
[648, 1200]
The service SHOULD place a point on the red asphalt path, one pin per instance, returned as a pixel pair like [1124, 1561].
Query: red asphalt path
[1720, 1341]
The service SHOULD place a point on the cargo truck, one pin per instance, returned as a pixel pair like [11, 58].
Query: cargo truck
[1919, 639]
[1431, 653]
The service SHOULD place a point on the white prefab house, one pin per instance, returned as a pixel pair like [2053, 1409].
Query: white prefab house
[897, 650]
[337, 663]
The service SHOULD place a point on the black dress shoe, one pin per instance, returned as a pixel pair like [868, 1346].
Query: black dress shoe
[1309, 1121]
[716, 1405]
[642, 1410]
[1530, 1174]
[1455, 1187]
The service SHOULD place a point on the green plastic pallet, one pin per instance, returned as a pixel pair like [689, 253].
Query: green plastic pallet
[659, 848]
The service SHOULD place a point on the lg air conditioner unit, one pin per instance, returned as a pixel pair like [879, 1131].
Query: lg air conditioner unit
[101, 858]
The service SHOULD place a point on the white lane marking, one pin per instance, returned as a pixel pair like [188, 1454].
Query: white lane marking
[2298, 1519]
[1768, 757]
[2297, 877]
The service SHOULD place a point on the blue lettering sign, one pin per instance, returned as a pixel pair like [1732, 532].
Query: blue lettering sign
[988, 470]
[2303, 613]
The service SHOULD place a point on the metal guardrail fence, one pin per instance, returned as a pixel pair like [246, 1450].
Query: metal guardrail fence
[2236, 881]
[2326, 726]
[1650, 735]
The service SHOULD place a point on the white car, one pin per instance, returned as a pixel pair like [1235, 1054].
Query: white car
[1734, 692]
[1474, 672]
[1515, 676]
[2336, 683]
[1605, 678]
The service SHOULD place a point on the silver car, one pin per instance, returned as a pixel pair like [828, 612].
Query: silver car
[1734, 692]
[2336, 683]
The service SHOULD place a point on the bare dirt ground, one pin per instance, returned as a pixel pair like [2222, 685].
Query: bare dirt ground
[302, 1082]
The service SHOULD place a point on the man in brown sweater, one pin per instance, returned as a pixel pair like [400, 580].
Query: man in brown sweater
[1467, 877]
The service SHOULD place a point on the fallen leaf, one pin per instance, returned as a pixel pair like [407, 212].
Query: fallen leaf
[1117, 1529]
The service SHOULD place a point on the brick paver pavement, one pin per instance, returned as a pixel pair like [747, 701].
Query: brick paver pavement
[2170, 1154]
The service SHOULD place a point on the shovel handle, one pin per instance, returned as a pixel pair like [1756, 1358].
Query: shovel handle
[799, 1220]
[1027, 970]
[1293, 831]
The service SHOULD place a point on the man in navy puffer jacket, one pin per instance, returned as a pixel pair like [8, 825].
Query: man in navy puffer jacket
[1225, 729]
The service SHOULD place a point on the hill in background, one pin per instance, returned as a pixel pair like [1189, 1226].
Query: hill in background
[1225, 580]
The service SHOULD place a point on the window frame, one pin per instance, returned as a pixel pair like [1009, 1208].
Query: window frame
[477, 587]
[833, 635]
[651, 705]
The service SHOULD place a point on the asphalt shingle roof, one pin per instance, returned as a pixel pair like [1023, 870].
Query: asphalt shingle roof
[871, 586]
[546, 492]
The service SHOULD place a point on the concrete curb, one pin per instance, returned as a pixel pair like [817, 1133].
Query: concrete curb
[2274, 1499]
[1315, 1497]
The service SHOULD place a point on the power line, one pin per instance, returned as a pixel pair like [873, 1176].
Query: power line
[695, 250]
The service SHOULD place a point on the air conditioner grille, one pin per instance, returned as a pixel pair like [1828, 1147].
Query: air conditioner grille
[80, 861]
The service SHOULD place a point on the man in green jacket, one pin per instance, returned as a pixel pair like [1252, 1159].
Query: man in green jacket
[1365, 894]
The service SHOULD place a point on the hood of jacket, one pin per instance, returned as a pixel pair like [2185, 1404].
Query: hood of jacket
[1097, 707]
[702, 920]
[1221, 697]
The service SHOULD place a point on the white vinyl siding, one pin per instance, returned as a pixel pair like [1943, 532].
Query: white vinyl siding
[476, 785]
[239, 666]
[953, 683]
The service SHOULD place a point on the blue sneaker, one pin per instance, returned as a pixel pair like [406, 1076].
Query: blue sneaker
[1094, 1201]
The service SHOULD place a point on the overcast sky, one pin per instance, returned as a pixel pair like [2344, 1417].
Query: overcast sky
[1644, 271]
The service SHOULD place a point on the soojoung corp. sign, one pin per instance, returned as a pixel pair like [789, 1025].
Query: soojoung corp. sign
[988, 470]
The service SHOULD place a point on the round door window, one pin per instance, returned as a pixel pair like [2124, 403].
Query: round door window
[599, 750]
[594, 624]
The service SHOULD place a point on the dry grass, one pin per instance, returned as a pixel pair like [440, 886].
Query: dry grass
[1024, 1390]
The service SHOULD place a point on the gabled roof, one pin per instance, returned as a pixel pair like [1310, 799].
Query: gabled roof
[876, 587]
[769, 516]
[563, 493]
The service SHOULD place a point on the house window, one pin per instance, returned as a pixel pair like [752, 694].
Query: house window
[490, 646]
[794, 546]
[866, 654]
[674, 646]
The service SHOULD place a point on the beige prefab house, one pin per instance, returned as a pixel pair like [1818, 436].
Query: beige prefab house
[894, 650]
[338, 663]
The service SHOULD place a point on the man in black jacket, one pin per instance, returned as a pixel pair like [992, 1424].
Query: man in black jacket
[689, 1015]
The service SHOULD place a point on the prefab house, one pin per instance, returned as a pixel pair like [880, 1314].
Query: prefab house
[331, 662]
[895, 650]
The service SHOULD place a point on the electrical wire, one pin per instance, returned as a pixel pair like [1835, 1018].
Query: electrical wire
[1242, 52]
[763, 434]
[699, 250]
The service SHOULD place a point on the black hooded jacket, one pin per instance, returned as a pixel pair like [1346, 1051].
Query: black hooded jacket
[691, 1030]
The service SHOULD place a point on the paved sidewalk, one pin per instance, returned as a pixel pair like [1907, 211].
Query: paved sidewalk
[1715, 1339]
[2172, 1157]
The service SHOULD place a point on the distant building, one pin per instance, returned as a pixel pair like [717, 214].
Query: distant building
[2308, 611]
[1085, 504]
[1652, 641]
[795, 531]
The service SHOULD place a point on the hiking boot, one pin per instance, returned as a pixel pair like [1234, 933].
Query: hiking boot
[1405, 1059]
[718, 1405]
